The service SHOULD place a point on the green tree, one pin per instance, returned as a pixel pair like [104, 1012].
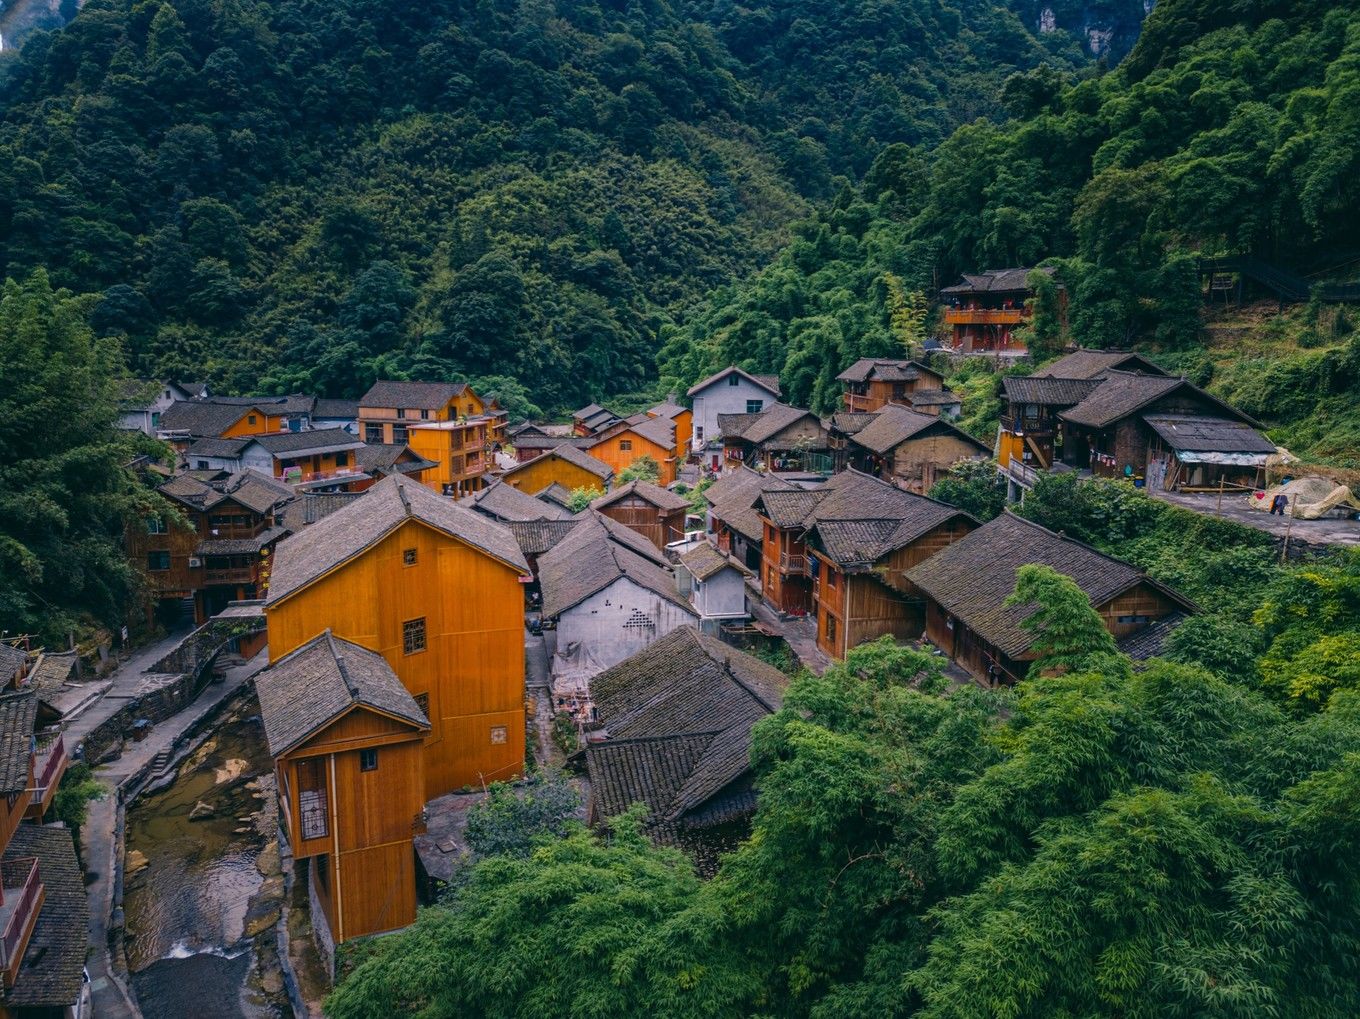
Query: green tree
[581, 498]
[509, 820]
[1069, 635]
[974, 486]
[644, 468]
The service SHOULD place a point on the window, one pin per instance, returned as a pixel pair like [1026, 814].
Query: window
[831, 629]
[699, 433]
[158, 561]
[155, 525]
[251, 419]
[413, 636]
[342, 459]
[201, 465]
[424, 415]
[399, 434]
[401, 412]
[499, 734]
[625, 445]
[368, 760]
[373, 434]
[312, 811]
[754, 406]
[408, 557]
[1134, 619]
[423, 703]
[734, 379]
[155, 418]
[831, 576]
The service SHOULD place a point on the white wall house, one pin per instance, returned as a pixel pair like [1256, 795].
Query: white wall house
[731, 391]
[145, 401]
[620, 621]
[715, 585]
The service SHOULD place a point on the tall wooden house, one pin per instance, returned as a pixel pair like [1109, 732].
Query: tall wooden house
[682, 418]
[318, 460]
[219, 549]
[911, 449]
[674, 733]
[592, 419]
[966, 584]
[984, 310]
[656, 513]
[779, 438]
[435, 589]
[347, 741]
[873, 383]
[733, 519]
[730, 391]
[564, 465]
[785, 566]
[628, 441]
[447, 423]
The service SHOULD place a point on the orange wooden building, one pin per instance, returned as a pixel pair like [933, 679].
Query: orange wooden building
[435, 589]
[346, 739]
[636, 437]
[682, 417]
[564, 465]
[871, 383]
[390, 408]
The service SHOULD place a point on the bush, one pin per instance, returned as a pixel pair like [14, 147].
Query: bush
[509, 820]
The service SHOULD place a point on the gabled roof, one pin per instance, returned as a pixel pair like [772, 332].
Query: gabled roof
[894, 425]
[668, 410]
[310, 507]
[386, 458]
[788, 509]
[661, 498]
[1123, 393]
[733, 496]
[933, 398]
[993, 281]
[18, 713]
[51, 973]
[211, 445]
[704, 561]
[537, 536]
[885, 369]
[1150, 641]
[850, 422]
[344, 534]
[679, 715]
[631, 539]
[572, 455]
[411, 395]
[506, 503]
[536, 440]
[591, 558]
[1047, 390]
[315, 684]
[1208, 435]
[312, 441]
[595, 417]
[240, 546]
[557, 493]
[247, 488]
[761, 427]
[1090, 364]
[338, 409]
[971, 578]
[660, 431]
[201, 418]
[770, 383]
[12, 659]
[293, 403]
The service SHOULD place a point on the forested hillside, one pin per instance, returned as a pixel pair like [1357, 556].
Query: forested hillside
[285, 194]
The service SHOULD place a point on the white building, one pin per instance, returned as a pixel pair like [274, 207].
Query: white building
[143, 401]
[715, 585]
[731, 391]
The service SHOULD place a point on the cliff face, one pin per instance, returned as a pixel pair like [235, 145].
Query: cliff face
[1107, 29]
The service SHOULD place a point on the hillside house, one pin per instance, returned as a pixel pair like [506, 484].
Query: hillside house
[1083, 363]
[389, 409]
[730, 391]
[779, 438]
[966, 584]
[656, 513]
[635, 437]
[222, 551]
[592, 419]
[347, 742]
[13, 662]
[732, 517]
[939, 402]
[675, 734]
[233, 417]
[911, 449]
[873, 383]
[141, 402]
[508, 504]
[564, 465]
[715, 585]
[983, 311]
[436, 590]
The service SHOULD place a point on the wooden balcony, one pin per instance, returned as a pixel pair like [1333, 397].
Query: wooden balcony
[983, 316]
[793, 563]
[48, 767]
[20, 904]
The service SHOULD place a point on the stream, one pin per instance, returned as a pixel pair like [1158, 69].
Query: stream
[202, 887]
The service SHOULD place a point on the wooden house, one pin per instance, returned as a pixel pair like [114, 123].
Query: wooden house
[535, 440]
[841, 428]
[347, 742]
[564, 465]
[218, 550]
[656, 513]
[436, 590]
[389, 409]
[592, 419]
[42, 895]
[506, 503]
[911, 449]
[785, 567]
[635, 437]
[984, 310]
[732, 517]
[1083, 363]
[13, 663]
[232, 417]
[939, 402]
[682, 418]
[730, 391]
[715, 585]
[310, 460]
[674, 733]
[1031, 433]
[461, 451]
[966, 584]
[779, 438]
[873, 383]
[383, 461]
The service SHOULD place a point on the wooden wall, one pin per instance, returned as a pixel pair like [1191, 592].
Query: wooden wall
[473, 667]
[611, 452]
[657, 526]
[1141, 600]
[789, 594]
[918, 463]
[544, 470]
[893, 567]
[265, 424]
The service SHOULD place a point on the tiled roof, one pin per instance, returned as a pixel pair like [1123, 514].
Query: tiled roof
[679, 715]
[337, 409]
[12, 659]
[200, 417]
[992, 281]
[886, 369]
[249, 488]
[761, 427]
[661, 498]
[1208, 435]
[1118, 395]
[51, 670]
[971, 578]
[537, 536]
[850, 422]
[51, 973]
[315, 440]
[293, 403]
[667, 410]
[1150, 641]
[557, 493]
[789, 509]
[658, 430]
[591, 558]
[240, 546]
[530, 440]
[570, 454]
[631, 539]
[894, 425]
[1055, 392]
[309, 508]
[770, 383]
[18, 712]
[704, 561]
[506, 503]
[385, 458]
[1090, 364]
[413, 395]
[213, 446]
[318, 682]
[732, 499]
[326, 544]
[933, 398]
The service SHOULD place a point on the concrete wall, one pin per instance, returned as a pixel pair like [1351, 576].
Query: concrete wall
[721, 398]
[610, 623]
[721, 596]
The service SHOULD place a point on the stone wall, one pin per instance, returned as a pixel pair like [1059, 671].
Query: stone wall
[156, 704]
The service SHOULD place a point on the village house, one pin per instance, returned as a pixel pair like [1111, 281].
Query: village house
[873, 383]
[347, 742]
[314, 459]
[13, 664]
[1083, 363]
[715, 585]
[635, 437]
[535, 537]
[220, 552]
[984, 310]
[183, 423]
[682, 418]
[612, 593]
[911, 449]
[656, 513]
[460, 450]
[966, 584]
[436, 590]
[939, 402]
[779, 438]
[674, 733]
[732, 517]
[141, 402]
[563, 465]
[592, 419]
[42, 894]
[532, 441]
[383, 461]
[506, 503]
[730, 391]
[389, 409]
[329, 413]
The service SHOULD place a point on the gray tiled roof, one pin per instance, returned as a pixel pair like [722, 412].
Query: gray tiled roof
[530, 440]
[933, 398]
[200, 418]
[248, 488]
[318, 682]
[213, 446]
[311, 507]
[788, 509]
[321, 547]
[992, 281]
[537, 536]
[679, 715]
[761, 427]
[666, 410]
[413, 395]
[894, 425]
[1055, 392]
[50, 975]
[661, 498]
[971, 578]
[850, 422]
[768, 382]
[240, 546]
[704, 561]
[385, 458]
[629, 538]
[591, 558]
[1090, 364]
[557, 493]
[886, 369]
[570, 454]
[503, 502]
[1118, 395]
[337, 409]
[658, 430]
[1208, 435]
[18, 712]
[1150, 641]
[12, 659]
[733, 496]
[315, 440]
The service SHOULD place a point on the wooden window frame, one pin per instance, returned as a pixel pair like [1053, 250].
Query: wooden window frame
[368, 759]
[410, 557]
[413, 634]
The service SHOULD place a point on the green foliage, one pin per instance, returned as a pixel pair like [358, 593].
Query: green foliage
[1310, 619]
[511, 821]
[581, 498]
[565, 734]
[1069, 635]
[975, 487]
[644, 468]
[78, 787]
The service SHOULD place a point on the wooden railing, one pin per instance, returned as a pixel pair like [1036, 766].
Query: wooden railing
[51, 756]
[793, 562]
[21, 875]
[983, 316]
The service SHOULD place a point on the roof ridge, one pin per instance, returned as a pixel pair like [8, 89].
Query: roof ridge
[340, 666]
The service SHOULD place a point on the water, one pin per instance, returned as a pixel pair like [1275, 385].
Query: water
[196, 892]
